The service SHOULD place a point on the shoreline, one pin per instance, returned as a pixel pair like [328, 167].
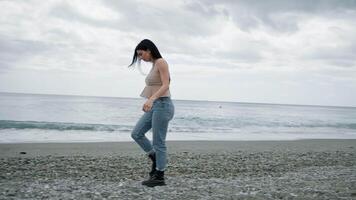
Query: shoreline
[198, 146]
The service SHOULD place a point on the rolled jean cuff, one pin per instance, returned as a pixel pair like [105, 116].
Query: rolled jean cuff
[161, 169]
[150, 152]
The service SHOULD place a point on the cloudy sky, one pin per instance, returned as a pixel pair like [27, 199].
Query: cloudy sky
[291, 52]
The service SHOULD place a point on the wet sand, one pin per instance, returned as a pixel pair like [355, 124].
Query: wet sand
[302, 169]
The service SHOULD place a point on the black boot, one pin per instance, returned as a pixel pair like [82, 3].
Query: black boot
[153, 168]
[157, 179]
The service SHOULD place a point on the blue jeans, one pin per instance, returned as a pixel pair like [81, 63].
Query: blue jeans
[157, 118]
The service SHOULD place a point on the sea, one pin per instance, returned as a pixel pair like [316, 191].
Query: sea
[43, 118]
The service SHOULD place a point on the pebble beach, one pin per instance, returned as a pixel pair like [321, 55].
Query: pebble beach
[300, 169]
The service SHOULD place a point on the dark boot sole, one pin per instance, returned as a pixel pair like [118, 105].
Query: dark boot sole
[154, 183]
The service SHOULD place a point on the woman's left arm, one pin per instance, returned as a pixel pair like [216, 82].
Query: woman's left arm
[162, 67]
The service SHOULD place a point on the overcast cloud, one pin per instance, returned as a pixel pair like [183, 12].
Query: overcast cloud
[293, 52]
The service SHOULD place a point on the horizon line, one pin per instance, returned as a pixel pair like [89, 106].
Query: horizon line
[183, 99]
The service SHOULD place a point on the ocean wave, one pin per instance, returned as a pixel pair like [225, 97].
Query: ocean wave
[234, 123]
[62, 126]
[192, 126]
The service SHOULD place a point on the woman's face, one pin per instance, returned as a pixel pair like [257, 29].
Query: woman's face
[144, 55]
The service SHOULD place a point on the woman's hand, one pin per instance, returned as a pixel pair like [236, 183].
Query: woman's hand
[148, 105]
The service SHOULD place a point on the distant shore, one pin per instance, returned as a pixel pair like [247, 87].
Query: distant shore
[300, 169]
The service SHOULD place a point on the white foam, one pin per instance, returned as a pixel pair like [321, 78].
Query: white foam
[49, 136]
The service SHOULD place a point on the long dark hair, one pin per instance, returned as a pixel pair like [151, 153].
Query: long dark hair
[145, 45]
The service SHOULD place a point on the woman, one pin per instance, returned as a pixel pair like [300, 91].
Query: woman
[158, 108]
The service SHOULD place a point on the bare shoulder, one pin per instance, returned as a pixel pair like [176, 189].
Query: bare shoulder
[161, 63]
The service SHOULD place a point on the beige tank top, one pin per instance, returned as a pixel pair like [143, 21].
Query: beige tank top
[153, 83]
